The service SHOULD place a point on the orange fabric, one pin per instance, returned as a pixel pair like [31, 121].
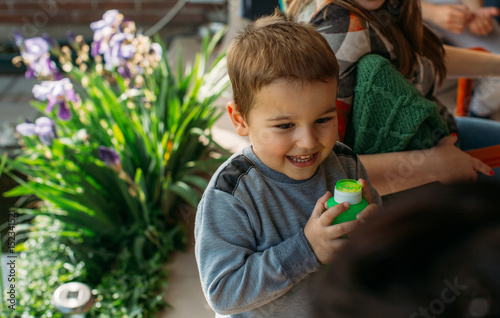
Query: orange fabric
[355, 24]
[464, 91]
[488, 155]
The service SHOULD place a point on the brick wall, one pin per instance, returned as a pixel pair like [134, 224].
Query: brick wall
[33, 17]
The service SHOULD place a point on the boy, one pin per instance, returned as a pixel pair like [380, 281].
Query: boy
[260, 228]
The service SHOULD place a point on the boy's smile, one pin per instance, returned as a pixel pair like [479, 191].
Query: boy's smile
[292, 126]
[303, 161]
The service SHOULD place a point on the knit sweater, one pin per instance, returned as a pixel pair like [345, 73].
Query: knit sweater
[389, 114]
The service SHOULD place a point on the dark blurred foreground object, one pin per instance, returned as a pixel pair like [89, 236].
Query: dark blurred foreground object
[253, 9]
[434, 252]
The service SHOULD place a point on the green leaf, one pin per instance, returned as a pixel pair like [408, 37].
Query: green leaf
[139, 243]
[187, 193]
[3, 163]
[17, 191]
[197, 181]
[117, 133]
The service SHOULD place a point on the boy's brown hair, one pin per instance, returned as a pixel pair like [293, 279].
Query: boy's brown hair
[277, 47]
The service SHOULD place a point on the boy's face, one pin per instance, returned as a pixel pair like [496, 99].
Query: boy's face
[292, 127]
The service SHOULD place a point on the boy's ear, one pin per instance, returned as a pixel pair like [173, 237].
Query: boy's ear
[237, 119]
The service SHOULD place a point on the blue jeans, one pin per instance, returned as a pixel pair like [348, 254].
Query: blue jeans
[476, 133]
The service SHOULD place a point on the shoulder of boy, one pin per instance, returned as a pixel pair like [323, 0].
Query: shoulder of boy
[228, 177]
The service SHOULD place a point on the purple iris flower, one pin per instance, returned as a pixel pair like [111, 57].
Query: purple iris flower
[56, 92]
[43, 127]
[157, 50]
[18, 38]
[118, 52]
[103, 30]
[36, 47]
[54, 47]
[124, 71]
[110, 157]
[110, 19]
[127, 51]
[35, 54]
[70, 36]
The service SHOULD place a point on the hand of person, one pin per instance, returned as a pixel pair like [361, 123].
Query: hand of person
[452, 17]
[481, 23]
[367, 195]
[324, 237]
[455, 165]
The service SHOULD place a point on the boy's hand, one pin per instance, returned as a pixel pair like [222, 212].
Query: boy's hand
[322, 235]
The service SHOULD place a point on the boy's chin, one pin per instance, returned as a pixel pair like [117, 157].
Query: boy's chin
[302, 175]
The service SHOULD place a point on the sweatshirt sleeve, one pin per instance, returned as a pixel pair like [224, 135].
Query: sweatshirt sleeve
[235, 274]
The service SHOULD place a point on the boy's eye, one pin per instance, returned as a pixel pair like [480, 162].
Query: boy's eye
[323, 120]
[284, 126]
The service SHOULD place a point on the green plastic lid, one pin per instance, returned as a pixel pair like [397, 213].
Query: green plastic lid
[348, 186]
[348, 190]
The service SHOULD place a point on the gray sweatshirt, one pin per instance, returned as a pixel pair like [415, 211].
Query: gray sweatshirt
[252, 255]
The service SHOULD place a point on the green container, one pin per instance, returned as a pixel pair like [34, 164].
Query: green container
[347, 190]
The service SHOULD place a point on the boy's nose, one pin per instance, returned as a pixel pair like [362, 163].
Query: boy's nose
[307, 139]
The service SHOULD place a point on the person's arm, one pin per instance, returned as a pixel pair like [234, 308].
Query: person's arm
[445, 163]
[451, 17]
[469, 63]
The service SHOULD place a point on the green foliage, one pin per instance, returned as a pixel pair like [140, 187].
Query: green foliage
[117, 224]
[44, 262]
[47, 260]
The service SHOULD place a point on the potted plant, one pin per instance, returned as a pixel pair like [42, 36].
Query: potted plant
[124, 143]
